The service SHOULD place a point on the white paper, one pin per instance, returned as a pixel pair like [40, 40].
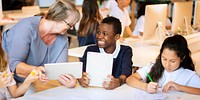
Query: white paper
[98, 67]
[143, 95]
[54, 70]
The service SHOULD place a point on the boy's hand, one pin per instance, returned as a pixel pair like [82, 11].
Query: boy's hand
[112, 83]
[84, 81]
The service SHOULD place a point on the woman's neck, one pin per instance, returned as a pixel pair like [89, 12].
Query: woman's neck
[45, 31]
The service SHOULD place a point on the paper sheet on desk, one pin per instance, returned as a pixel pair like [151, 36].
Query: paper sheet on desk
[98, 67]
[143, 95]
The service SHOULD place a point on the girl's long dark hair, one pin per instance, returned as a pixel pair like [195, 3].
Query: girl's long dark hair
[178, 44]
[90, 19]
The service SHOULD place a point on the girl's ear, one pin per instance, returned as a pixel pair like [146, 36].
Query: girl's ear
[117, 36]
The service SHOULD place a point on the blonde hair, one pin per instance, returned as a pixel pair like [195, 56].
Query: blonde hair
[60, 11]
[3, 61]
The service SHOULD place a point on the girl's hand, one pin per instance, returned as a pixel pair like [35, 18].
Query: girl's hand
[33, 76]
[67, 80]
[171, 86]
[5, 78]
[84, 81]
[152, 87]
[112, 83]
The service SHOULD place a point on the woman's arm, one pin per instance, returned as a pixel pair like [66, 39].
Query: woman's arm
[23, 69]
[128, 30]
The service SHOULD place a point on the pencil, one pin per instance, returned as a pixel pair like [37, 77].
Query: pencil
[149, 77]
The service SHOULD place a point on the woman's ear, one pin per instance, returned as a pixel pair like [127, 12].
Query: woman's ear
[117, 36]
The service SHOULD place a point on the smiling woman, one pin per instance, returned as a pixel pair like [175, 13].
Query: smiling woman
[37, 40]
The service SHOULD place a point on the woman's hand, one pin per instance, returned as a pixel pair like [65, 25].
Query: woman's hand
[41, 74]
[84, 81]
[152, 87]
[32, 77]
[171, 86]
[112, 83]
[5, 78]
[67, 80]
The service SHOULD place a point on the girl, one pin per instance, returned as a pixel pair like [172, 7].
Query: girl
[6, 80]
[89, 23]
[173, 70]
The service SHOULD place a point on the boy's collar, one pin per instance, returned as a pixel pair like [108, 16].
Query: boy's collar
[115, 53]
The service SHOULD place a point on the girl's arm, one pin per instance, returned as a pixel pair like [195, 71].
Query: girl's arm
[174, 86]
[135, 80]
[191, 90]
[21, 90]
[17, 92]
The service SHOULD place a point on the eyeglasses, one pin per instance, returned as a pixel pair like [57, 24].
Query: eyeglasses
[70, 26]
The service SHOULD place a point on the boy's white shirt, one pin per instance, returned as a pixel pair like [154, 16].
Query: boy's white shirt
[123, 16]
[115, 53]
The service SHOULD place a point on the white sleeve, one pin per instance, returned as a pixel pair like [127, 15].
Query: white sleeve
[13, 81]
[194, 81]
[141, 24]
[139, 27]
[127, 19]
[144, 70]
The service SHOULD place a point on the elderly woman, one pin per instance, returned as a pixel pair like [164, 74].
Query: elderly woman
[38, 40]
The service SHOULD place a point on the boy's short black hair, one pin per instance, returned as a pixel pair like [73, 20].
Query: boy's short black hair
[117, 28]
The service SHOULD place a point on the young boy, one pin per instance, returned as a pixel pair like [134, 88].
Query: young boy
[108, 33]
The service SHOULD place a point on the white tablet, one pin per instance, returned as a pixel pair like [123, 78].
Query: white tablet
[98, 67]
[54, 70]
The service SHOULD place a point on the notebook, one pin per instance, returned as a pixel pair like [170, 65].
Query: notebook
[54, 70]
[98, 67]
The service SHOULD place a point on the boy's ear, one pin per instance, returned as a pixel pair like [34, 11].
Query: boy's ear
[117, 36]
